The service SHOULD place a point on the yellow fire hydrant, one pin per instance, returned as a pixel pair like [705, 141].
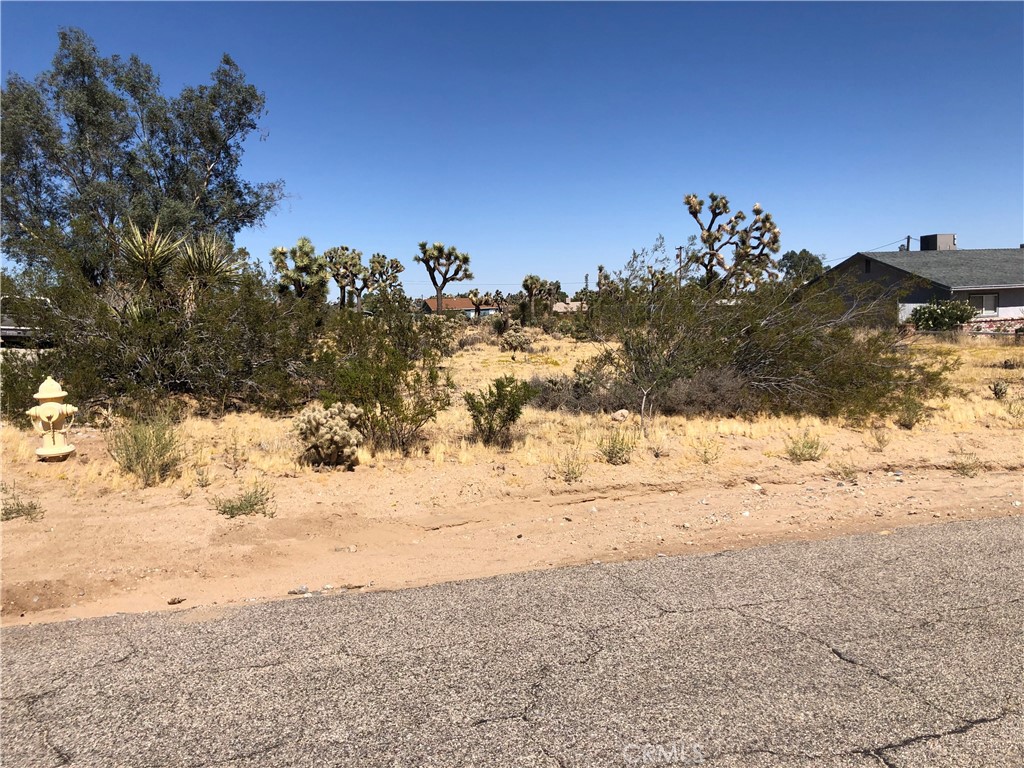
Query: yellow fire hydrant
[52, 419]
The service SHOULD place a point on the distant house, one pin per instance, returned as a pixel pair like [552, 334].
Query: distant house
[462, 304]
[991, 279]
[568, 307]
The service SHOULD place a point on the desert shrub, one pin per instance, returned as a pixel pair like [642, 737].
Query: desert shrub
[514, 340]
[390, 366]
[616, 446]
[329, 436]
[1015, 410]
[707, 450]
[720, 391]
[500, 323]
[910, 411]
[878, 438]
[999, 389]
[148, 448]
[942, 315]
[233, 345]
[1013, 363]
[256, 500]
[805, 447]
[805, 350]
[15, 505]
[571, 465]
[495, 410]
[965, 463]
[594, 387]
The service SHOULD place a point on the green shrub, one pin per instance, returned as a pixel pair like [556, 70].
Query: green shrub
[942, 315]
[390, 366]
[616, 447]
[805, 447]
[514, 340]
[999, 389]
[15, 506]
[495, 410]
[149, 449]
[910, 412]
[257, 500]
[329, 436]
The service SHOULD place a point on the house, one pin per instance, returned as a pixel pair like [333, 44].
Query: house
[568, 307]
[459, 304]
[991, 279]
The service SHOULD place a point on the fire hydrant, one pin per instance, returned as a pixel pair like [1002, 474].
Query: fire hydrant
[52, 419]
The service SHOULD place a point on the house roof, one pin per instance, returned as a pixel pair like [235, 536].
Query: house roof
[460, 303]
[967, 268]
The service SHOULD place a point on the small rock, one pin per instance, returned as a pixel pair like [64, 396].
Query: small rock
[936, 514]
[756, 487]
[1016, 503]
[686, 525]
[307, 594]
[745, 513]
[519, 535]
[301, 590]
[327, 587]
[596, 562]
[352, 548]
[593, 510]
[662, 554]
[176, 601]
[621, 415]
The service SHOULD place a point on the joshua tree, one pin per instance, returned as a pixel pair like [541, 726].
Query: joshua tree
[346, 267]
[532, 284]
[443, 265]
[478, 300]
[384, 272]
[752, 245]
[307, 277]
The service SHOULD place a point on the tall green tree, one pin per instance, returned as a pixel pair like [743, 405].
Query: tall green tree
[93, 142]
[443, 265]
[532, 285]
[801, 266]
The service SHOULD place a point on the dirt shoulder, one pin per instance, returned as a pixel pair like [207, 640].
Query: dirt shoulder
[101, 550]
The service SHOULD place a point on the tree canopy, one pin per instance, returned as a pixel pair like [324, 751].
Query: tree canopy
[93, 142]
[801, 266]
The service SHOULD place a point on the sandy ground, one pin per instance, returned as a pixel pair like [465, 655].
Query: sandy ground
[460, 511]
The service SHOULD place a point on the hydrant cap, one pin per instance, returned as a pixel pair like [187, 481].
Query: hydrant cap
[49, 389]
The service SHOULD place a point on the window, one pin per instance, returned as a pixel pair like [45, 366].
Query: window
[985, 303]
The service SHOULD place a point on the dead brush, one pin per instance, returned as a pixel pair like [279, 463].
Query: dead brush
[965, 463]
[707, 450]
[571, 465]
[878, 438]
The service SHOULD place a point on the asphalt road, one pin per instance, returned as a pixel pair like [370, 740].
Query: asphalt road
[898, 650]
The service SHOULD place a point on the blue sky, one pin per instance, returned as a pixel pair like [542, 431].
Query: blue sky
[550, 138]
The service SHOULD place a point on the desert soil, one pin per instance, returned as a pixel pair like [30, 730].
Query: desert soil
[105, 545]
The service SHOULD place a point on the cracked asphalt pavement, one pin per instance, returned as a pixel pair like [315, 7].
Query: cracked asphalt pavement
[899, 650]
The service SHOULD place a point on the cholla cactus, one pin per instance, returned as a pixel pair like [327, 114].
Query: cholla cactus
[329, 437]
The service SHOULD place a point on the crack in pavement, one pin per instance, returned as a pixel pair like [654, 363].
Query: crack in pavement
[842, 656]
[877, 752]
[968, 725]
[245, 755]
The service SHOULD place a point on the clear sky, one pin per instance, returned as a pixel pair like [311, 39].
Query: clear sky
[550, 138]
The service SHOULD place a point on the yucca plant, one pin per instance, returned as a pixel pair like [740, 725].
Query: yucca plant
[149, 256]
[208, 260]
